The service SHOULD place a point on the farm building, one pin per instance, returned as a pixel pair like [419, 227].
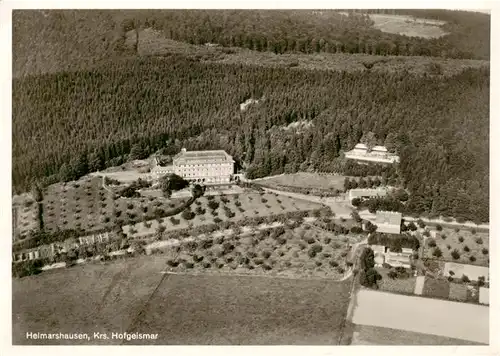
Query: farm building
[361, 152]
[394, 259]
[471, 271]
[366, 193]
[388, 222]
[484, 295]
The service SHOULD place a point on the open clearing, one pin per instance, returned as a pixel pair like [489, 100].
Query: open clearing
[423, 315]
[374, 335]
[408, 25]
[245, 310]
[132, 295]
[305, 180]
[155, 43]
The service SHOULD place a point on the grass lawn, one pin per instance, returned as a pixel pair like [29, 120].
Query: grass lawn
[87, 205]
[221, 310]
[461, 241]
[306, 180]
[375, 335]
[408, 26]
[132, 295]
[458, 292]
[241, 205]
[398, 285]
[266, 252]
[439, 288]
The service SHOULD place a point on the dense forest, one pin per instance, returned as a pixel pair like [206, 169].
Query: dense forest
[70, 123]
[53, 40]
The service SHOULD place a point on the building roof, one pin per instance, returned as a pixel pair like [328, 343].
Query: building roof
[388, 217]
[361, 146]
[379, 149]
[484, 295]
[367, 192]
[194, 157]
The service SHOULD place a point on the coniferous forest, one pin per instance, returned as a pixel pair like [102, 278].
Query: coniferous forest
[69, 123]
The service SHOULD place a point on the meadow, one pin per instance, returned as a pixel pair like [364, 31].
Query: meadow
[132, 295]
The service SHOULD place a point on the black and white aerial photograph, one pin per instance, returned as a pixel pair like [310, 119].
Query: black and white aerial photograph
[250, 177]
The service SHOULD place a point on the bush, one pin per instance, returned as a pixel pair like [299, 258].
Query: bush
[455, 254]
[484, 251]
[466, 248]
[439, 227]
[437, 252]
[443, 236]
[188, 215]
[479, 241]
[172, 263]
[314, 250]
[333, 263]
[448, 247]
[392, 274]
[266, 254]
[266, 267]
[465, 279]
[431, 243]
[188, 264]
[217, 220]
[472, 259]
[258, 261]
[460, 239]
[206, 265]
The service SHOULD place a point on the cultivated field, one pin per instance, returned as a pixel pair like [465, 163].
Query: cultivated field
[132, 295]
[246, 310]
[301, 252]
[241, 205]
[423, 315]
[473, 248]
[87, 205]
[408, 25]
[374, 335]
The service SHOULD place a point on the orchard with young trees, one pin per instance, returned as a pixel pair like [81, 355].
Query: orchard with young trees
[93, 119]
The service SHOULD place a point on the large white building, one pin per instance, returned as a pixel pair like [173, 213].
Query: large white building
[377, 154]
[366, 193]
[207, 167]
[388, 222]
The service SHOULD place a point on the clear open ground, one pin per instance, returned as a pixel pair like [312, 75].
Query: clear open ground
[132, 295]
[305, 180]
[422, 315]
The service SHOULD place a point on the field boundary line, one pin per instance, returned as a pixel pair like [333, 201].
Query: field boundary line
[132, 325]
[255, 276]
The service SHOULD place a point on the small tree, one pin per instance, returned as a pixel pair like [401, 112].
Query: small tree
[437, 252]
[465, 279]
[439, 227]
[420, 223]
[466, 248]
[460, 239]
[455, 254]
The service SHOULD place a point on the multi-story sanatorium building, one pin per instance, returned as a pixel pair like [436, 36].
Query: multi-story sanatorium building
[377, 154]
[206, 167]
